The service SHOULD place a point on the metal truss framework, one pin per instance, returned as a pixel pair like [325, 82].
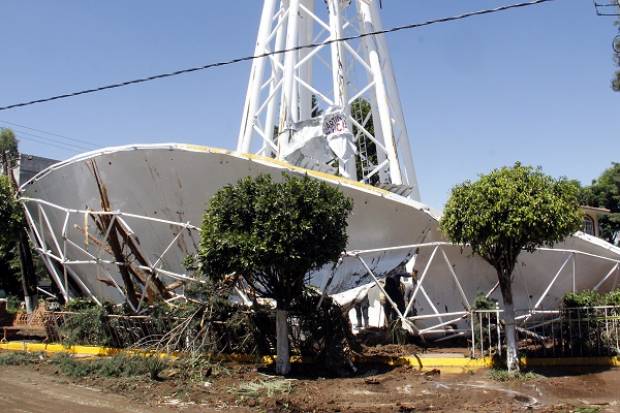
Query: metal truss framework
[60, 254]
[288, 88]
[57, 253]
[468, 311]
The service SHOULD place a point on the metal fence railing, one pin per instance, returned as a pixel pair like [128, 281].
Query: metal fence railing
[586, 331]
[486, 332]
[567, 332]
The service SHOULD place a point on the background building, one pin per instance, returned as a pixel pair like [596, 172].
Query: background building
[30, 165]
[591, 217]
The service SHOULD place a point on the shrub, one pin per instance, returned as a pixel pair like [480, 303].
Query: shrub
[209, 323]
[13, 304]
[586, 298]
[19, 358]
[584, 329]
[91, 324]
[196, 367]
[324, 332]
[115, 366]
[482, 302]
[87, 325]
[589, 298]
[502, 375]
[613, 297]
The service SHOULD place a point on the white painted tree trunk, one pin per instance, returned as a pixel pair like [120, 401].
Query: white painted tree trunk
[283, 364]
[505, 284]
[512, 361]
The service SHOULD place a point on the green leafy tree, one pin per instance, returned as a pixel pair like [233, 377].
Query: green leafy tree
[10, 213]
[11, 218]
[605, 193]
[272, 234]
[510, 210]
[8, 149]
[14, 241]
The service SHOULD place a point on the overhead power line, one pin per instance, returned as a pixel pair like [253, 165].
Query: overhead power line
[30, 135]
[80, 142]
[48, 143]
[45, 141]
[277, 52]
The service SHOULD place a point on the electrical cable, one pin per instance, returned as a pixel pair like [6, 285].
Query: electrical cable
[40, 139]
[44, 142]
[79, 141]
[82, 147]
[89, 147]
[277, 52]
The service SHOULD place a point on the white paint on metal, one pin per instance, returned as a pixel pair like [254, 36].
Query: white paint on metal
[158, 193]
[288, 88]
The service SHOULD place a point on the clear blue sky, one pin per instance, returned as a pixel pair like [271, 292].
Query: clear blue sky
[529, 85]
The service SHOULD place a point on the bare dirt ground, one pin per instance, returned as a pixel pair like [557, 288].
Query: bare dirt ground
[40, 389]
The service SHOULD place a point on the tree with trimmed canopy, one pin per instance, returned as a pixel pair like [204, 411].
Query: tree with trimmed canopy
[510, 210]
[273, 234]
[13, 239]
[8, 150]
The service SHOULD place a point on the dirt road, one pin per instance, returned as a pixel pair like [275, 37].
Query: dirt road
[28, 389]
[25, 390]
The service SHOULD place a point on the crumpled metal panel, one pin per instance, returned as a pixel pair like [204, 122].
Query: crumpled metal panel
[175, 182]
[534, 286]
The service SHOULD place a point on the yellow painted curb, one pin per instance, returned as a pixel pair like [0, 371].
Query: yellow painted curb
[58, 348]
[460, 364]
[571, 361]
[425, 363]
[420, 362]
[96, 351]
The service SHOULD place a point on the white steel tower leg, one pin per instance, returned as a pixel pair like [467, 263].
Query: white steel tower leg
[256, 76]
[385, 120]
[337, 55]
[338, 74]
[305, 70]
[288, 107]
[275, 83]
[403, 144]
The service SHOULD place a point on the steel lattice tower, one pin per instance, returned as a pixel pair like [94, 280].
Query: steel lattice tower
[288, 88]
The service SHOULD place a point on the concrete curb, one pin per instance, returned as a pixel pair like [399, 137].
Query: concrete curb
[424, 362]
[58, 348]
[612, 361]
